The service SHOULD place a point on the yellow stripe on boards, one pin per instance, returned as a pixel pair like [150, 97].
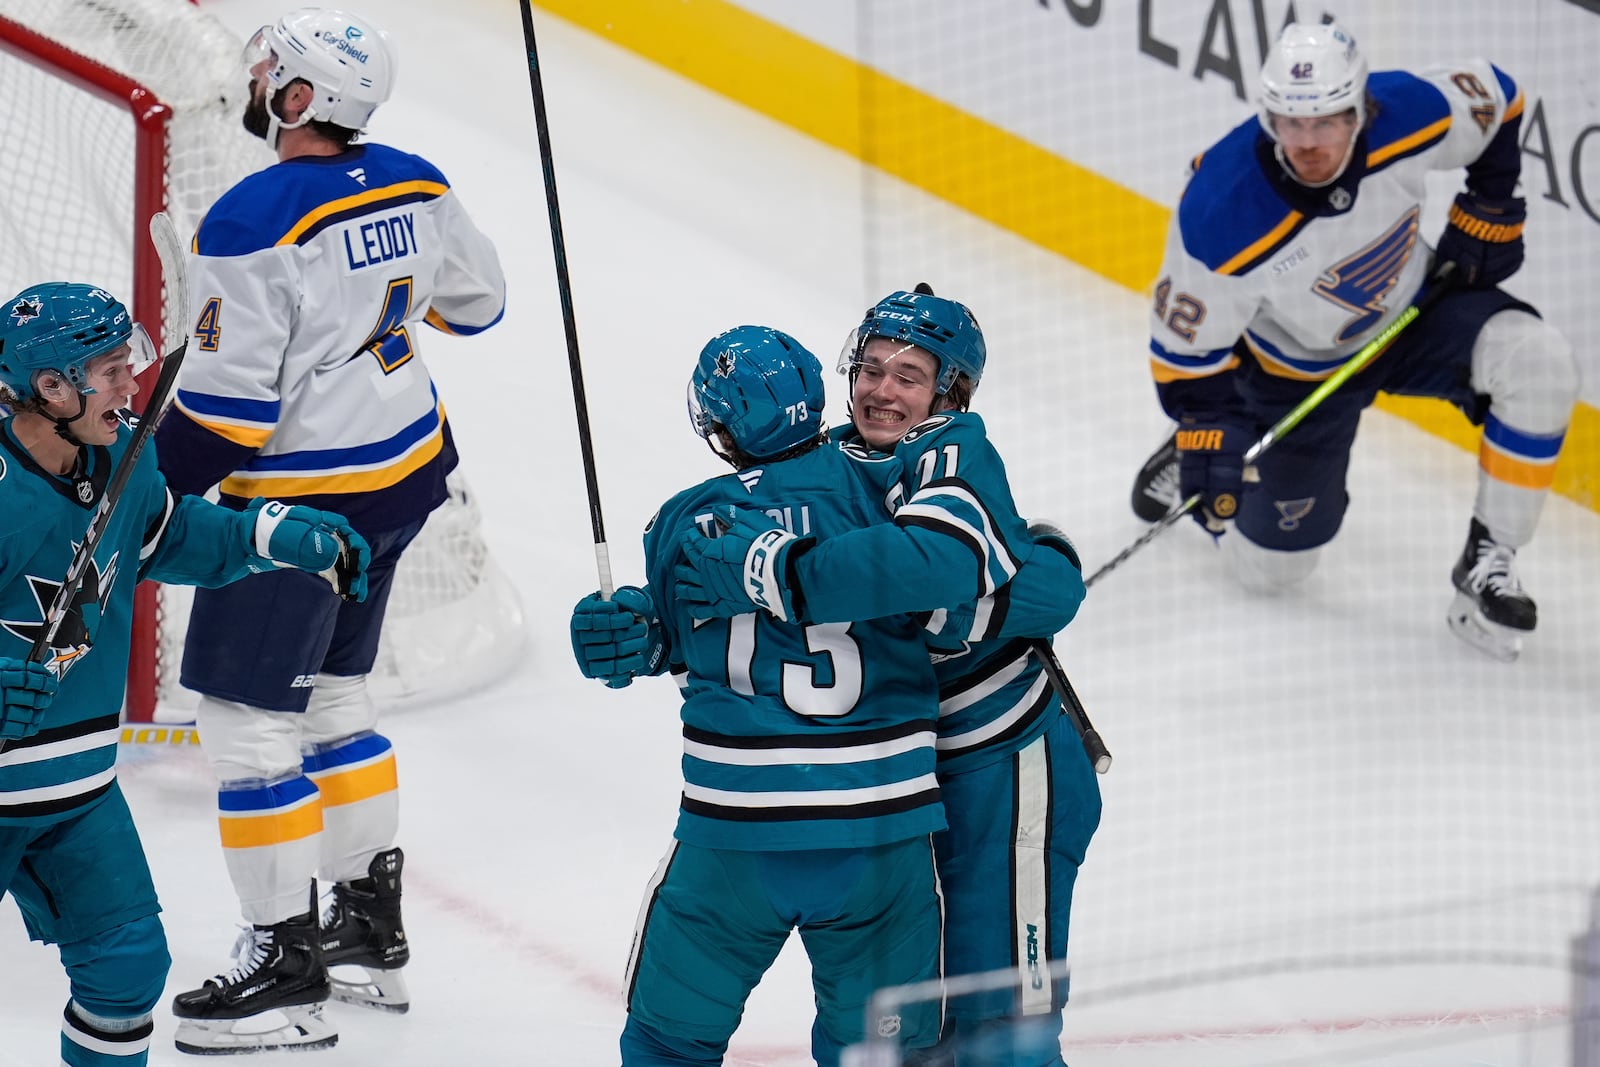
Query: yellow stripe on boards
[1021, 188]
[362, 783]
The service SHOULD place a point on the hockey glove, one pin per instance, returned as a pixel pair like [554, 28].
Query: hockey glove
[1050, 535]
[26, 690]
[1211, 463]
[306, 539]
[748, 566]
[620, 639]
[1484, 239]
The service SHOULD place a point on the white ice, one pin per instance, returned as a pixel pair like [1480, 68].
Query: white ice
[1332, 833]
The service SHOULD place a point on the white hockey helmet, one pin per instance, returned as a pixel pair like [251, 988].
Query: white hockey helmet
[348, 62]
[1313, 70]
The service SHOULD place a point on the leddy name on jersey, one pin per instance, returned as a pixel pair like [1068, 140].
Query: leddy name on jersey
[380, 241]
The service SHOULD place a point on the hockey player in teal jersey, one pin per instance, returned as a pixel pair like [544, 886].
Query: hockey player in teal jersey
[1296, 242]
[69, 852]
[314, 280]
[1021, 796]
[809, 791]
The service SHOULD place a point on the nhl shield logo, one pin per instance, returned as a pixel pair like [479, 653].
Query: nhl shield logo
[85, 490]
[888, 1025]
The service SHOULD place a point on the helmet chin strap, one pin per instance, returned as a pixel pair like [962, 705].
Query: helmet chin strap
[64, 425]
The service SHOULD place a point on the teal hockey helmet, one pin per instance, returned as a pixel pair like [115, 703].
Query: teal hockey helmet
[760, 385]
[943, 328]
[60, 327]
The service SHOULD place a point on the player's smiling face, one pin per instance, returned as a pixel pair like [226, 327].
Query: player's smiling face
[893, 390]
[1316, 147]
[110, 377]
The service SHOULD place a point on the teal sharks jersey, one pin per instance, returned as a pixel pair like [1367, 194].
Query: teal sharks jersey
[799, 736]
[70, 762]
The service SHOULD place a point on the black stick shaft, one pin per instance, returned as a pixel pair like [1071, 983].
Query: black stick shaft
[1093, 746]
[564, 287]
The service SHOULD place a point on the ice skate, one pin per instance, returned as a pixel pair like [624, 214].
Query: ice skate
[1490, 610]
[363, 940]
[1155, 487]
[271, 999]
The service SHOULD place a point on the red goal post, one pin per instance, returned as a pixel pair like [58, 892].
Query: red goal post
[114, 110]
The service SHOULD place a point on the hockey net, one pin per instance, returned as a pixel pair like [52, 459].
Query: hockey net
[117, 109]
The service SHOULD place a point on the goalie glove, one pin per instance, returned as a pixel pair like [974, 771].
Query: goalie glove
[620, 639]
[747, 567]
[26, 690]
[306, 539]
[1484, 238]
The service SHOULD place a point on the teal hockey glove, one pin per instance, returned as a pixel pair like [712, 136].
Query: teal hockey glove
[748, 566]
[320, 542]
[26, 690]
[620, 639]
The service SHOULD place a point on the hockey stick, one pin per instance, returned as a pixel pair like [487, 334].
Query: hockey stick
[1093, 746]
[1439, 283]
[602, 555]
[165, 238]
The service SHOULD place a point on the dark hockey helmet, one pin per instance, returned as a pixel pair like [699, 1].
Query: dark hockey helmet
[943, 328]
[60, 327]
[760, 385]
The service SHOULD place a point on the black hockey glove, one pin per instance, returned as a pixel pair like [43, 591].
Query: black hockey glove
[1484, 238]
[1211, 463]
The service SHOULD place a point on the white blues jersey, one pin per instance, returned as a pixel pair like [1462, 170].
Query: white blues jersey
[1306, 277]
[311, 281]
[70, 762]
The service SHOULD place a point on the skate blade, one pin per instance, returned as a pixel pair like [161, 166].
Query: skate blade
[1468, 623]
[296, 1029]
[370, 987]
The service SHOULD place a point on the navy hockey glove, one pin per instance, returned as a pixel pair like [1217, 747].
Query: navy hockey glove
[1484, 238]
[1049, 534]
[26, 690]
[1211, 463]
[306, 539]
[748, 566]
[620, 639]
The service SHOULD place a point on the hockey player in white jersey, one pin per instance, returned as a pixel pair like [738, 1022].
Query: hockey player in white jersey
[1296, 241]
[313, 279]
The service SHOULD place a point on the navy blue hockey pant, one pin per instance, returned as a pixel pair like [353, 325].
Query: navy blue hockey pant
[1301, 498]
[261, 640]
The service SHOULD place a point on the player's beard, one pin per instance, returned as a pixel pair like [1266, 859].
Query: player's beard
[256, 119]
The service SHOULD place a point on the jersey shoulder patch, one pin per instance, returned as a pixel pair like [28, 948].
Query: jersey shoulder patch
[1409, 115]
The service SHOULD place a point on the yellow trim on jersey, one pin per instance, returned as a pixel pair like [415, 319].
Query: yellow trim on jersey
[278, 486]
[1256, 250]
[1055, 203]
[1166, 372]
[1405, 144]
[251, 436]
[361, 199]
[358, 783]
[272, 828]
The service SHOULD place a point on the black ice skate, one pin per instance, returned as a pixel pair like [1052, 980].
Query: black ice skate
[361, 932]
[1155, 488]
[1490, 611]
[271, 999]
